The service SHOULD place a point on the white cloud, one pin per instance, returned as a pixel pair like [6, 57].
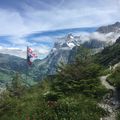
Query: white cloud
[11, 23]
[71, 14]
[110, 37]
[18, 41]
[67, 14]
[98, 36]
[13, 51]
[65, 18]
[41, 51]
[45, 39]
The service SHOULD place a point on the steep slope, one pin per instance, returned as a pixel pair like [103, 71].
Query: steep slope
[59, 53]
[9, 65]
[94, 44]
[110, 55]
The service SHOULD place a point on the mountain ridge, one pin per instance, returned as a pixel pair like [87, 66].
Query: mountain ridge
[64, 50]
[109, 28]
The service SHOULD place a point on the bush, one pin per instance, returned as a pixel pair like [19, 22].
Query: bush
[51, 96]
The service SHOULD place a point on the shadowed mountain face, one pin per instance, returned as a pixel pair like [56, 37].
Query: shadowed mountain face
[94, 44]
[118, 41]
[110, 55]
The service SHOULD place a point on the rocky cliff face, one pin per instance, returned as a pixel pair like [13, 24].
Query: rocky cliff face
[64, 51]
[110, 28]
[59, 53]
[92, 44]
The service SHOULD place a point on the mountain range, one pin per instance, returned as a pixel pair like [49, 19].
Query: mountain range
[110, 28]
[63, 51]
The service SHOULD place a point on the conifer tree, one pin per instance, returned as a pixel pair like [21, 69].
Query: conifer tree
[16, 88]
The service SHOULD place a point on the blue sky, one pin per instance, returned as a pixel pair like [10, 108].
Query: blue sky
[22, 20]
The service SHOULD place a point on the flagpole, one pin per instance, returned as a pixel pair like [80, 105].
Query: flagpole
[26, 63]
[30, 55]
[26, 72]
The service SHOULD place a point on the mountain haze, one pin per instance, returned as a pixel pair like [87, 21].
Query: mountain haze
[63, 51]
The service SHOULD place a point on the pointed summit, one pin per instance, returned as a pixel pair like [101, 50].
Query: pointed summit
[69, 37]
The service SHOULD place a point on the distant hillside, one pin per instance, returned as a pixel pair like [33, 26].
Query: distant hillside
[9, 65]
[94, 44]
[110, 55]
[12, 63]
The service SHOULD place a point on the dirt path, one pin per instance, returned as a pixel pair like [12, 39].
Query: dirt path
[105, 83]
[109, 103]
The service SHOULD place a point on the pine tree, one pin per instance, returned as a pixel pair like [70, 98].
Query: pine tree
[16, 88]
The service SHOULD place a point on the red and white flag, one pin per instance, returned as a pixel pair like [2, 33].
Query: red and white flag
[30, 55]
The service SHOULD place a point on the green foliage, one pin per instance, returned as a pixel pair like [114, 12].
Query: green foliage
[94, 44]
[82, 53]
[51, 96]
[79, 53]
[105, 71]
[110, 55]
[47, 101]
[118, 116]
[33, 106]
[79, 107]
[16, 88]
[72, 94]
[80, 77]
[114, 78]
